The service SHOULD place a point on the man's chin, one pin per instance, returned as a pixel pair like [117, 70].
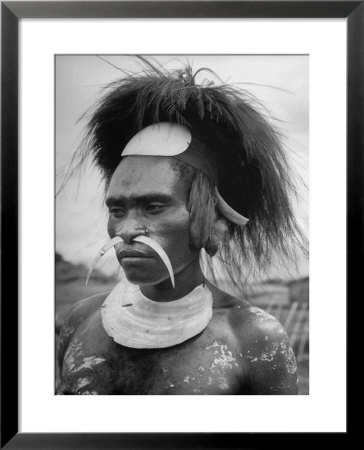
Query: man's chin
[147, 280]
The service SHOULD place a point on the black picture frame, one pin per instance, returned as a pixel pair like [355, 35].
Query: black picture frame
[11, 12]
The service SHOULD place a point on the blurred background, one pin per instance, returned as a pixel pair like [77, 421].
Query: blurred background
[280, 84]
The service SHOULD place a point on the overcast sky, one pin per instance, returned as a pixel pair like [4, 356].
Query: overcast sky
[279, 82]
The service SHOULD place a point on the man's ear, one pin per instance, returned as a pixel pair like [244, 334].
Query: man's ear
[211, 244]
[207, 226]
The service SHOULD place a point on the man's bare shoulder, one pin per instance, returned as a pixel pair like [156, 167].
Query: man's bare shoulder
[254, 322]
[248, 322]
[267, 358]
[265, 347]
[78, 313]
[84, 308]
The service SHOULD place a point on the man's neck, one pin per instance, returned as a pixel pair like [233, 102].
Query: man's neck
[186, 280]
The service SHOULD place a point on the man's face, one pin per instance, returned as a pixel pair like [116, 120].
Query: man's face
[147, 191]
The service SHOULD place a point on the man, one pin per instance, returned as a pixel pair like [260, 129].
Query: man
[191, 172]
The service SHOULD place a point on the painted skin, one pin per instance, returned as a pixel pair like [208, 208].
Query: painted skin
[242, 351]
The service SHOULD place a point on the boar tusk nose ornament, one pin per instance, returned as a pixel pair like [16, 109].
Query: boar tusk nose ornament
[142, 239]
[109, 244]
[161, 253]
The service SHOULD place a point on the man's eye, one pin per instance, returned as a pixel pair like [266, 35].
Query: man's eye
[117, 212]
[154, 208]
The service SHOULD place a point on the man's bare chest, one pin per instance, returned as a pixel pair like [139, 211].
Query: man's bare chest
[209, 363]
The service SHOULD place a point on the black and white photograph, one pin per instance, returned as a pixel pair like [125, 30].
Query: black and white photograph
[181, 224]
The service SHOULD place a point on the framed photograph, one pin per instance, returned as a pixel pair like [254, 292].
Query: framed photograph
[57, 60]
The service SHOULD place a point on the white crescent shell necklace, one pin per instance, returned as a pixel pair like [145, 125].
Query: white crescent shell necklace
[135, 321]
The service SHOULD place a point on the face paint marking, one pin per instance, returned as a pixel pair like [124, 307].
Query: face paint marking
[215, 344]
[67, 331]
[74, 351]
[223, 384]
[89, 362]
[282, 347]
[81, 382]
[261, 315]
[225, 359]
[291, 364]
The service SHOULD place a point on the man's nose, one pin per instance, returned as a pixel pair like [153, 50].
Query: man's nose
[130, 229]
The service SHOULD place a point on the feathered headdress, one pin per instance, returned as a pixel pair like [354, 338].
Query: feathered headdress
[254, 176]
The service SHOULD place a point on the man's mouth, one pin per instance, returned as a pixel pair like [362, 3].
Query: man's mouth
[126, 253]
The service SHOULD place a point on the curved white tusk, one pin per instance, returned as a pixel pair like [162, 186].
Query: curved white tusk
[109, 244]
[158, 249]
[228, 212]
[144, 240]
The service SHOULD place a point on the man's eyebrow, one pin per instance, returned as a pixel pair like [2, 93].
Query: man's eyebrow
[150, 197]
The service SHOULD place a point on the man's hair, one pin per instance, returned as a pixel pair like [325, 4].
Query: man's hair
[257, 179]
[201, 205]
